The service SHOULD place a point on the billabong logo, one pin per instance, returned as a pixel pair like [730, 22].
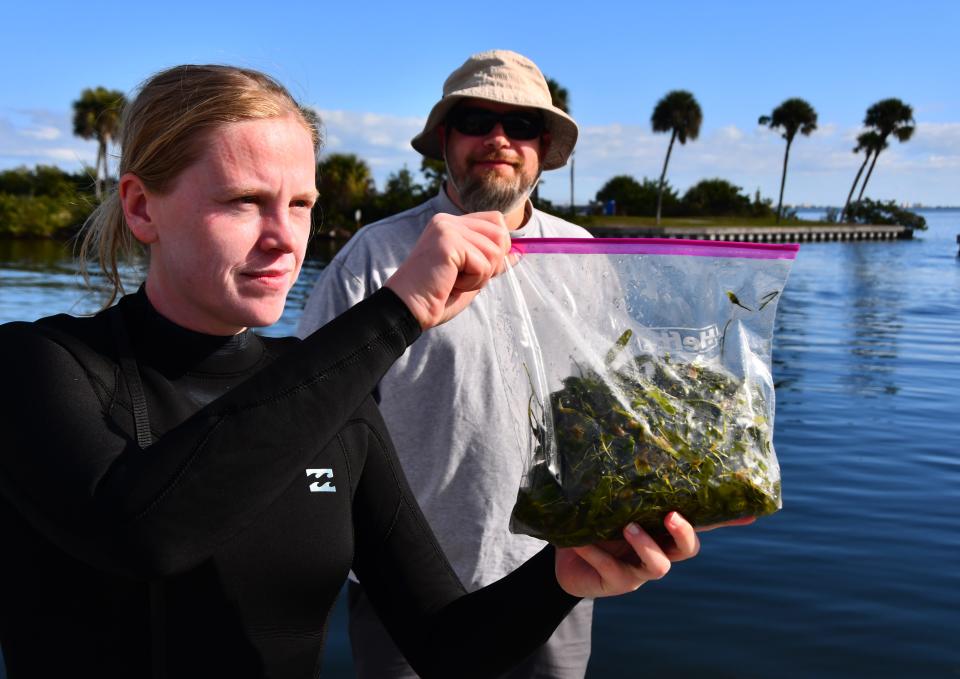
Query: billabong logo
[326, 486]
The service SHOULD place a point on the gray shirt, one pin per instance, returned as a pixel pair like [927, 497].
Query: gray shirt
[443, 400]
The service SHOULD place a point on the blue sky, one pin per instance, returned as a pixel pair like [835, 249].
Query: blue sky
[373, 70]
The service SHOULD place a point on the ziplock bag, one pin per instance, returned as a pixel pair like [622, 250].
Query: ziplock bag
[641, 378]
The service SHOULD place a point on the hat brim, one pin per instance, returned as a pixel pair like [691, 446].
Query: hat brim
[563, 131]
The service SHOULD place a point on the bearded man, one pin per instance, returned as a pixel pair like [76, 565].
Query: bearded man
[496, 129]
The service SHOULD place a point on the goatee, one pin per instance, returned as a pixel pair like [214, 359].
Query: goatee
[489, 191]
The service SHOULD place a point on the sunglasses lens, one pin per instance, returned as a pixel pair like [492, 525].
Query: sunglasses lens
[475, 122]
[522, 126]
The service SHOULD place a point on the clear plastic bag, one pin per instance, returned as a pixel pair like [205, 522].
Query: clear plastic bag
[640, 370]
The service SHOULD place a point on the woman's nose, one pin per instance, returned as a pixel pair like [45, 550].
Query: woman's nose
[278, 231]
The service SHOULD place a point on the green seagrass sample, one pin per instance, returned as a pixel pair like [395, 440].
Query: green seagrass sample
[648, 437]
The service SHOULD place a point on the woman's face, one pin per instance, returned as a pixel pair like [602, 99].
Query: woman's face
[228, 238]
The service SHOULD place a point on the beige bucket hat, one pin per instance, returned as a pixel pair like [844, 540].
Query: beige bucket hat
[503, 77]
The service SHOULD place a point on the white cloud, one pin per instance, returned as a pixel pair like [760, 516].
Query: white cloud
[937, 138]
[46, 133]
[382, 140]
[944, 163]
[731, 133]
[826, 129]
[820, 170]
[42, 138]
[60, 155]
[822, 166]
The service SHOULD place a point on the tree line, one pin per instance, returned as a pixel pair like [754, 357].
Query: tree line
[44, 202]
[47, 201]
[679, 114]
[707, 198]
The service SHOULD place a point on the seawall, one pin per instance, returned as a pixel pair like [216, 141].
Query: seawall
[759, 234]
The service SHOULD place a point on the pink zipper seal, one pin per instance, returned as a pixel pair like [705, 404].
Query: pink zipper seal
[655, 246]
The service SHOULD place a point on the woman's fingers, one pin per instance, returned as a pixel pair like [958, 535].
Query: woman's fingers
[686, 544]
[598, 573]
[653, 561]
[488, 233]
[612, 568]
[483, 256]
[617, 567]
[454, 255]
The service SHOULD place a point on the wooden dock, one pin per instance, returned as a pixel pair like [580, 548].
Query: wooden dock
[759, 234]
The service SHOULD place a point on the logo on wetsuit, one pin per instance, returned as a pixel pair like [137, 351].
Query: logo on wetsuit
[326, 486]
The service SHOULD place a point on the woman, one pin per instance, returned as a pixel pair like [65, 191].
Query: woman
[180, 497]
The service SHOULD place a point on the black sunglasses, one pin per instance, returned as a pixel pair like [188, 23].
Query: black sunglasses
[475, 122]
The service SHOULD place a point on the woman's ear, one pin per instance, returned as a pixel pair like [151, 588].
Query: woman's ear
[135, 202]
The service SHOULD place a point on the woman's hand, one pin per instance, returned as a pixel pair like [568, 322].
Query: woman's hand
[620, 566]
[452, 260]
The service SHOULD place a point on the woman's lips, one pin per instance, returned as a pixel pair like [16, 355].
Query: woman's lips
[275, 278]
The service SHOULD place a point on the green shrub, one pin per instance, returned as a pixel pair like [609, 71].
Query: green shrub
[868, 211]
[638, 199]
[40, 216]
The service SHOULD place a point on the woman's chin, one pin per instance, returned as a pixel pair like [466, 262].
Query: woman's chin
[264, 320]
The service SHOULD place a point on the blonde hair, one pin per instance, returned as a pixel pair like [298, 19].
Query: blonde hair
[161, 134]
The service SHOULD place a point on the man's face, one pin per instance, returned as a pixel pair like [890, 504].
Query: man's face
[491, 170]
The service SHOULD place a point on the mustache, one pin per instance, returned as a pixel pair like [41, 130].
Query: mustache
[495, 158]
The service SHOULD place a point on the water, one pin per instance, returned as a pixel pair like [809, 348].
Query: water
[859, 574]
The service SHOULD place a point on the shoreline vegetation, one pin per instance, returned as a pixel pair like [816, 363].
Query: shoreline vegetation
[48, 203]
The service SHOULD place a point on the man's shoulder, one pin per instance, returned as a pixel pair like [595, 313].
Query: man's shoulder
[555, 227]
[364, 264]
[403, 227]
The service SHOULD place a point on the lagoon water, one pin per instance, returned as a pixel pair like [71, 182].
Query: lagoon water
[859, 574]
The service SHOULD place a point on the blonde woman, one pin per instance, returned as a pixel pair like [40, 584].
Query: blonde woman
[180, 497]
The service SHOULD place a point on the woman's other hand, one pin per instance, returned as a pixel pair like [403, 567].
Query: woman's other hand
[620, 566]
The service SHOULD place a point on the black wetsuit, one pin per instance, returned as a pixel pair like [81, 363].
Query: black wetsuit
[219, 550]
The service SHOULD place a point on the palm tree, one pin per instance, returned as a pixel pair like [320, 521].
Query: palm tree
[345, 184]
[561, 99]
[793, 115]
[886, 117]
[871, 143]
[96, 115]
[678, 113]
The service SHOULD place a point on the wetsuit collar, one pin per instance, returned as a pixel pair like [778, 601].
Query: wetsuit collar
[175, 350]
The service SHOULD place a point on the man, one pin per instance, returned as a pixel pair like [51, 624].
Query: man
[497, 130]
